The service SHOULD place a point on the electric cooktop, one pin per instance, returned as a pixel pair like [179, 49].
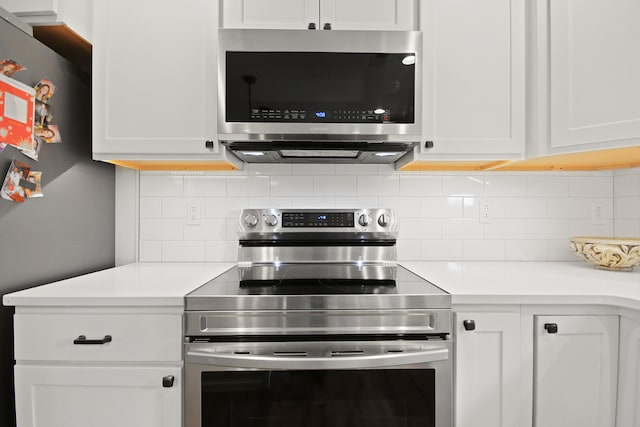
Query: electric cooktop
[362, 285]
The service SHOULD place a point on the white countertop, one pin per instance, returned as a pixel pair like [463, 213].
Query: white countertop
[144, 284]
[155, 284]
[531, 283]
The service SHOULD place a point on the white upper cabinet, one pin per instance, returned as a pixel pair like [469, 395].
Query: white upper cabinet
[270, 14]
[320, 14]
[588, 79]
[155, 80]
[76, 14]
[473, 80]
[368, 14]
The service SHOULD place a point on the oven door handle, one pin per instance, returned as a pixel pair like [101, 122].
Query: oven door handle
[252, 361]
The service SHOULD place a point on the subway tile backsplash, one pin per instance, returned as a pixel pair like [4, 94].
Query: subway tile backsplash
[532, 214]
[626, 208]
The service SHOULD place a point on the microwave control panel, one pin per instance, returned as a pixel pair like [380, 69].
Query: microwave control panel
[319, 116]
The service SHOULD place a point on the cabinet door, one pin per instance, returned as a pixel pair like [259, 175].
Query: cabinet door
[576, 362]
[368, 14]
[154, 76]
[275, 14]
[76, 14]
[74, 396]
[487, 370]
[593, 73]
[629, 374]
[337, 14]
[474, 79]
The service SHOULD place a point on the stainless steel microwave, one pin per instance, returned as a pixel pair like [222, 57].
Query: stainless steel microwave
[337, 96]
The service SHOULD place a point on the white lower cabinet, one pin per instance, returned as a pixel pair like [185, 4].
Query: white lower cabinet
[98, 366]
[98, 396]
[513, 367]
[575, 371]
[487, 366]
[629, 374]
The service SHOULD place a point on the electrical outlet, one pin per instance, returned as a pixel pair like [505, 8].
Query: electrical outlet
[193, 212]
[485, 212]
[597, 214]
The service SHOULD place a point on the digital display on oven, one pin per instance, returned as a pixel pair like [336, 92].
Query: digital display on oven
[317, 219]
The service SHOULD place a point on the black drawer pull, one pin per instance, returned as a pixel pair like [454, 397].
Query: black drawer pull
[327, 26]
[552, 328]
[82, 339]
[469, 325]
[167, 381]
[312, 26]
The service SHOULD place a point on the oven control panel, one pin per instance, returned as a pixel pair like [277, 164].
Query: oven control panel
[317, 220]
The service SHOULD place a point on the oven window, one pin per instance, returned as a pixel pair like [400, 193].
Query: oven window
[394, 397]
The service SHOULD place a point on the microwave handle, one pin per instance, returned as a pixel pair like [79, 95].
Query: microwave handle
[251, 361]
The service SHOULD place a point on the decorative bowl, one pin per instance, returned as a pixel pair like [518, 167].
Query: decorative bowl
[609, 253]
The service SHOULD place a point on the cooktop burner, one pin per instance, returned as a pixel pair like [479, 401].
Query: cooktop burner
[317, 279]
[316, 287]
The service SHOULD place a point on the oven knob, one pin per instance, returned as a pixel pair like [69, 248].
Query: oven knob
[271, 220]
[364, 220]
[251, 219]
[384, 220]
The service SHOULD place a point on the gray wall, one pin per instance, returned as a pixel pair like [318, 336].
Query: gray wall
[70, 231]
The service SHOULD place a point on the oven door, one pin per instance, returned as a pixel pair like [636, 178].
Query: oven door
[342, 383]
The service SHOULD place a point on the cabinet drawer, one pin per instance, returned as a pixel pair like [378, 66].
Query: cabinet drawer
[144, 337]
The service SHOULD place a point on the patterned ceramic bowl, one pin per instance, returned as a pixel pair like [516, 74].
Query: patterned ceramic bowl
[609, 253]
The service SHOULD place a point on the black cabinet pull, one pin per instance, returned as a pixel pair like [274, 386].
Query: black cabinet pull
[167, 381]
[312, 26]
[428, 144]
[469, 325]
[82, 339]
[208, 144]
[327, 26]
[552, 328]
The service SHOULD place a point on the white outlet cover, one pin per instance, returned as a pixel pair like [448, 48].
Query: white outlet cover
[485, 212]
[193, 211]
[597, 214]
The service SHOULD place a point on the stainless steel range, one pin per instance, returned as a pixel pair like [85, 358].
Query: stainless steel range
[318, 325]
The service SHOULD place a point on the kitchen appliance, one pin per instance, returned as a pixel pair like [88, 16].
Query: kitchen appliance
[67, 171]
[303, 96]
[318, 325]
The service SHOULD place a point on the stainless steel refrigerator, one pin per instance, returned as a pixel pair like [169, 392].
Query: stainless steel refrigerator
[69, 231]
